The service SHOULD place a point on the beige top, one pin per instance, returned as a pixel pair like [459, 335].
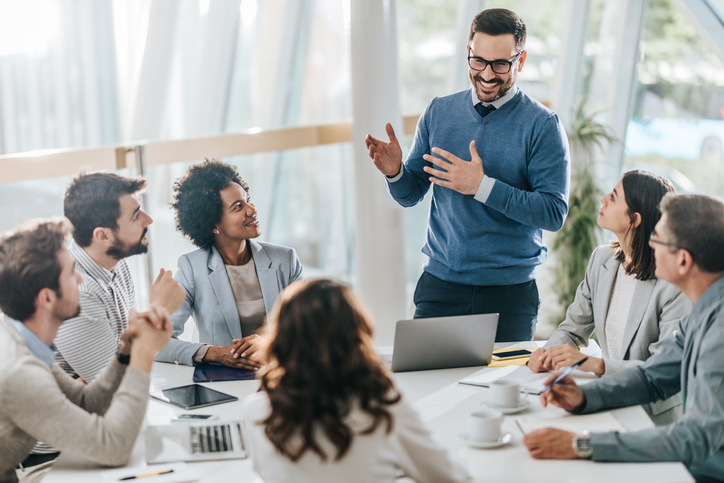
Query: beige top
[99, 421]
[247, 295]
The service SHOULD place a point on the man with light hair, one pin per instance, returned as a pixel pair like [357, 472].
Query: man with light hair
[99, 421]
[688, 243]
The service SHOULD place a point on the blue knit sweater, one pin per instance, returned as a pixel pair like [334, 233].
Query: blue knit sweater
[524, 148]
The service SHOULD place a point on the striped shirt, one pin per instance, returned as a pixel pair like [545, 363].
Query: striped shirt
[86, 343]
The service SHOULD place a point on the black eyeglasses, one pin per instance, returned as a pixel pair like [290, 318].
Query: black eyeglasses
[498, 66]
[653, 241]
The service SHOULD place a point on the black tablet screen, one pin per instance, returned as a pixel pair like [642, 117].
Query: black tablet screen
[193, 396]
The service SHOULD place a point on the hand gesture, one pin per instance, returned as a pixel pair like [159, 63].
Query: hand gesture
[151, 328]
[565, 394]
[248, 346]
[565, 355]
[459, 175]
[167, 292]
[387, 156]
[550, 443]
[538, 361]
[225, 357]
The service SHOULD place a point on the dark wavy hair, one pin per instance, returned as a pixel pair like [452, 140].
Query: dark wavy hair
[643, 192]
[197, 199]
[500, 21]
[29, 263]
[92, 201]
[322, 365]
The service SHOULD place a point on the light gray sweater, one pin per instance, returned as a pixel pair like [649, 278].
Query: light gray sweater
[99, 422]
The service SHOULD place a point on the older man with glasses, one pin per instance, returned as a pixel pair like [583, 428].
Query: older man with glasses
[688, 244]
[499, 165]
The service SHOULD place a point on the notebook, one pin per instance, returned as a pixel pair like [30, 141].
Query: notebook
[194, 441]
[213, 372]
[444, 342]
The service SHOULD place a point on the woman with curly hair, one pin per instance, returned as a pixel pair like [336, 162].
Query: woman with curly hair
[328, 410]
[231, 281]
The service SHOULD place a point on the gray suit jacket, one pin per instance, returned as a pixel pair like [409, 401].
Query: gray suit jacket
[211, 302]
[655, 311]
[691, 361]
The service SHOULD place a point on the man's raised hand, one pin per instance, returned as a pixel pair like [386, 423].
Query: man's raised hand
[387, 156]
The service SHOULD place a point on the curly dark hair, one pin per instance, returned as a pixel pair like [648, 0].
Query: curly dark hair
[197, 199]
[322, 365]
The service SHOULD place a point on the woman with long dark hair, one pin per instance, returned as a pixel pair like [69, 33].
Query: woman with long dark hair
[328, 409]
[631, 311]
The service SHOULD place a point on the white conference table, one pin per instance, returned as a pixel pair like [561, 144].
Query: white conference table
[443, 404]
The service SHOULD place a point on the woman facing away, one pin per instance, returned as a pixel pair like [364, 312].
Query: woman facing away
[328, 410]
[631, 311]
[231, 281]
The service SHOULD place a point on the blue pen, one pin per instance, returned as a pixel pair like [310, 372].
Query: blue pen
[563, 374]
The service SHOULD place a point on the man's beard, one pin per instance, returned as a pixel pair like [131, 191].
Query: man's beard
[504, 87]
[121, 250]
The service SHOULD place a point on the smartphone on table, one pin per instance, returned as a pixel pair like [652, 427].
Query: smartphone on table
[511, 354]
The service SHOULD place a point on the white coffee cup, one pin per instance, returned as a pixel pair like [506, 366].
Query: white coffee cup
[504, 393]
[484, 425]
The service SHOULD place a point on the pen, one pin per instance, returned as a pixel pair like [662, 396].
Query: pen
[563, 374]
[154, 473]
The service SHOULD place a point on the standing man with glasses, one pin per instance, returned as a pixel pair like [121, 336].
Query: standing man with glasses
[499, 165]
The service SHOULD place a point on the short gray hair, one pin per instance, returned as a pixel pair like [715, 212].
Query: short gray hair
[696, 224]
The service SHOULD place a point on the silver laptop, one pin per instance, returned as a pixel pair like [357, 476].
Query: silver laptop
[443, 342]
[197, 441]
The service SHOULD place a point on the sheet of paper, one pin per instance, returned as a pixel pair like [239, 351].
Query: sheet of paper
[529, 381]
[180, 473]
[573, 423]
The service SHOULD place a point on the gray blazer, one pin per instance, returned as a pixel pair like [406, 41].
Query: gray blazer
[655, 311]
[210, 300]
[690, 361]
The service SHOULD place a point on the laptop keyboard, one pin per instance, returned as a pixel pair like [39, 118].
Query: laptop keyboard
[211, 439]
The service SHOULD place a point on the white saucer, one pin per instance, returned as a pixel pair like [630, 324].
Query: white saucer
[484, 444]
[522, 405]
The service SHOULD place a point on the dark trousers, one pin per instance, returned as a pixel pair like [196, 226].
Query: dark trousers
[517, 304]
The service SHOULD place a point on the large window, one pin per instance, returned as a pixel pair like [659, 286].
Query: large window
[677, 128]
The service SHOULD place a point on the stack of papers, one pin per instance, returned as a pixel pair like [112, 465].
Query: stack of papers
[529, 381]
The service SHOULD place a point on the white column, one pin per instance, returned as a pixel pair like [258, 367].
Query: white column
[566, 90]
[379, 236]
[614, 78]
